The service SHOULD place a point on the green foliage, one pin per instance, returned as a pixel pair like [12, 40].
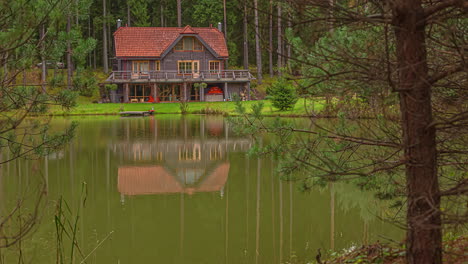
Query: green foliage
[240, 108]
[82, 48]
[25, 98]
[111, 87]
[183, 107]
[57, 81]
[257, 109]
[21, 49]
[327, 73]
[208, 11]
[282, 94]
[200, 85]
[139, 10]
[66, 99]
[85, 82]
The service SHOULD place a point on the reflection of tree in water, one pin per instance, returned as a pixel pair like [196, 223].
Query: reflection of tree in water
[350, 197]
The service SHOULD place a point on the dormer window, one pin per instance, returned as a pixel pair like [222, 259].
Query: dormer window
[188, 44]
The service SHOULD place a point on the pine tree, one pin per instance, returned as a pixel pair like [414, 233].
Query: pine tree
[139, 12]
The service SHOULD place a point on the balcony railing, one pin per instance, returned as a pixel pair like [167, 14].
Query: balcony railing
[161, 76]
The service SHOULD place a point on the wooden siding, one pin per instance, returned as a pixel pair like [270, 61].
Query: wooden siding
[169, 63]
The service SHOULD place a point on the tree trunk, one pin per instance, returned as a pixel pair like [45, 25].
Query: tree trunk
[225, 20]
[77, 18]
[69, 56]
[109, 41]
[89, 36]
[162, 14]
[104, 38]
[331, 3]
[43, 66]
[257, 44]
[129, 17]
[94, 50]
[280, 41]
[270, 51]
[424, 236]
[226, 65]
[246, 39]
[179, 13]
[288, 45]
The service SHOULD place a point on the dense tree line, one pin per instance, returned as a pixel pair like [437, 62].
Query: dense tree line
[255, 30]
[237, 17]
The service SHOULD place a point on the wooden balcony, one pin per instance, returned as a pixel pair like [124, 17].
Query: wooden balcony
[176, 77]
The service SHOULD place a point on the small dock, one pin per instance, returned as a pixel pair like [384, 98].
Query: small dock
[136, 113]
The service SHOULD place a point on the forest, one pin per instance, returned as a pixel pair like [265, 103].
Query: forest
[400, 63]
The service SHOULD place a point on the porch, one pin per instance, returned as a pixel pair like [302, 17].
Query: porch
[157, 92]
[177, 77]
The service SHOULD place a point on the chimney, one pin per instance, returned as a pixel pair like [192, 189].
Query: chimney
[119, 23]
[220, 26]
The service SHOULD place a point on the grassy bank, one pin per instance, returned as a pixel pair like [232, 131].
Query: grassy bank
[454, 252]
[87, 108]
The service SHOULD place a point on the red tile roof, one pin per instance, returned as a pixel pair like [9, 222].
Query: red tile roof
[188, 30]
[153, 41]
[157, 180]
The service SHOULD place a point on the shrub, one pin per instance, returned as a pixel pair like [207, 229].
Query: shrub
[85, 83]
[66, 98]
[282, 94]
[183, 107]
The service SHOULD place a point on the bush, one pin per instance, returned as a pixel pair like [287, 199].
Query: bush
[183, 107]
[282, 94]
[85, 83]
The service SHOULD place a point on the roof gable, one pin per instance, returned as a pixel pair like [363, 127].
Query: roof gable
[188, 30]
[154, 41]
[181, 36]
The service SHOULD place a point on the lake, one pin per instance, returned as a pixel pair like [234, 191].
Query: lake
[175, 189]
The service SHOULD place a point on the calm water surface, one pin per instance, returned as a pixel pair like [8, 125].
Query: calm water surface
[175, 189]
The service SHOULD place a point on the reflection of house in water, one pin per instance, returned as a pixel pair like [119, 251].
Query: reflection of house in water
[157, 180]
[175, 156]
[57, 155]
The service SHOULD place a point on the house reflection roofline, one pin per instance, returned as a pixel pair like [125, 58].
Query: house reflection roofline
[133, 180]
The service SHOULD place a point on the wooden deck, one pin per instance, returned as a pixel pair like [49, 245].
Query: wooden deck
[136, 113]
[240, 76]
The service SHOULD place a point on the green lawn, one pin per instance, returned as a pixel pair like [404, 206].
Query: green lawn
[87, 108]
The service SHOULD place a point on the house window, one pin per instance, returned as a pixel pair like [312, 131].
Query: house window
[157, 65]
[140, 67]
[188, 44]
[197, 45]
[214, 66]
[188, 67]
[139, 93]
[179, 46]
